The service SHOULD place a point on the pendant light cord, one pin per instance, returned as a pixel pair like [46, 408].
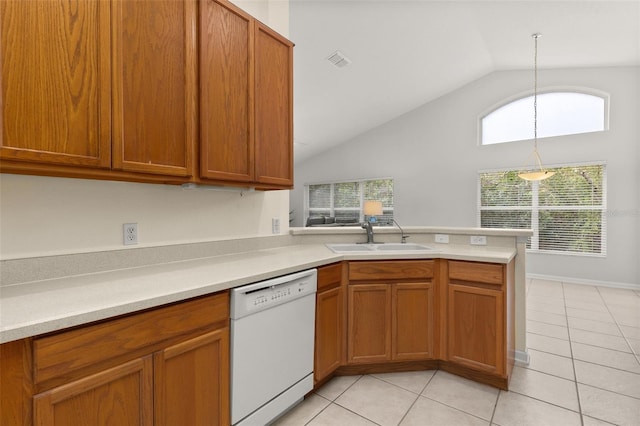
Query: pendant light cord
[535, 92]
[542, 174]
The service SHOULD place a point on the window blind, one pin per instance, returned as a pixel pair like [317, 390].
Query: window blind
[566, 212]
[345, 200]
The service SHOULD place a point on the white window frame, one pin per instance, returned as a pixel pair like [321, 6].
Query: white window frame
[549, 89]
[535, 209]
[331, 211]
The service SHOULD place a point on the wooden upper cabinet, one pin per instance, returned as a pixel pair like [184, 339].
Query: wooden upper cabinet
[226, 92]
[273, 108]
[154, 86]
[163, 90]
[56, 82]
[246, 99]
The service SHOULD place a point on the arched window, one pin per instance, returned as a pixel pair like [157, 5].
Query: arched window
[559, 113]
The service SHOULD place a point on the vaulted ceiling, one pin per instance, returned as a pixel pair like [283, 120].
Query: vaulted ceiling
[407, 53]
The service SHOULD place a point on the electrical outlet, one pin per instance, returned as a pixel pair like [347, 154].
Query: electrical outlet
[130, 233]
[478, 240]
[442, 238]
[275, 225]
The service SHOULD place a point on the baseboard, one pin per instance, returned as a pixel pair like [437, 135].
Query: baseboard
[521, 358]
[572, 280]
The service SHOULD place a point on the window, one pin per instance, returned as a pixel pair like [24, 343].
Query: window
[566, 211]
[559, 113]
[344, 200]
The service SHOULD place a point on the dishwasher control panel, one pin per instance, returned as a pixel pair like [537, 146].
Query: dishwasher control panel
[263, 295]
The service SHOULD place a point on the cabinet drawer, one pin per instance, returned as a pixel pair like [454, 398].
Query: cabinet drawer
[391, 270]
[329, 277]
[87, 347]
[487, 273]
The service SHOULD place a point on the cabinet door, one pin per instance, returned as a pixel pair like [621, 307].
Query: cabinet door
[119, 396]
[192, 381]
[56, 82]
[226, 92]
[329, 332]
[412, 321]
[476, 328]
[369, 335]
[273, 108]
[155, 82]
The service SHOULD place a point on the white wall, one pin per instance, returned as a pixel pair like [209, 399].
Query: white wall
[274, 13]
[42, 216]
[433, 154]
[45, 216]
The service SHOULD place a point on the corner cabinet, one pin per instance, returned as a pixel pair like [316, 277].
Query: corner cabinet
[170, 365]
[246, 107]
[391, 311]
[480, 318]
[404, 315]
[330, 321]
[145, 91]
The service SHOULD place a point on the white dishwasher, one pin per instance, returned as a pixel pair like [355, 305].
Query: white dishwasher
[272, 338]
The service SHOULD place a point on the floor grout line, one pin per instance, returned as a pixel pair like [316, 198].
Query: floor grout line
[573, 365]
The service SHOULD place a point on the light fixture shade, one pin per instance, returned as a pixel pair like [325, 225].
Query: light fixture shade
[541, 175]
[372, 208]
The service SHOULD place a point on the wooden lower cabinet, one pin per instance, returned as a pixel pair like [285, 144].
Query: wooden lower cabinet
[476, 328]
[412, 321]
[480, 318]
[191, 388]
[391, 312]
[164, 366]
[330, 322]
[424, 314]
[122, 395]
[369, 335]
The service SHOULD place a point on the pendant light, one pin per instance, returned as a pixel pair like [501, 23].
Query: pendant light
[541, 173]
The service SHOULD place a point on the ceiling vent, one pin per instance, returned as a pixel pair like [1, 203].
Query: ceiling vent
[338, 59]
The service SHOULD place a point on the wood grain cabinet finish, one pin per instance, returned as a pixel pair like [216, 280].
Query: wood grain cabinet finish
[122, 395]
[164, 366]
[480, 316]
[330, 321]
[154, 86]
[226, 92]
[391, 311]
[191, 383]
[56, 83]
[412, 321]
[246, 106]
[168, 91]
[369, 335]
[273, 108]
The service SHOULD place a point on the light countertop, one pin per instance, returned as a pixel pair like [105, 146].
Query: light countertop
[33, 308]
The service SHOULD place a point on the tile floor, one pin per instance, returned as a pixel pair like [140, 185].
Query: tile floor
[584, 344]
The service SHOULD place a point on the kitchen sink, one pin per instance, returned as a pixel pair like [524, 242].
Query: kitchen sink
[380, 248]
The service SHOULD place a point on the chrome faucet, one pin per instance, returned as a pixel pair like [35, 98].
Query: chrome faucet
[403, 238]
[367, 225]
